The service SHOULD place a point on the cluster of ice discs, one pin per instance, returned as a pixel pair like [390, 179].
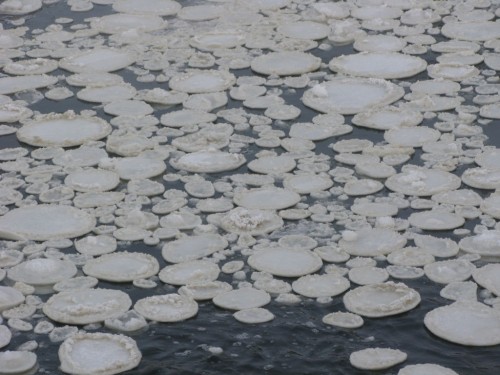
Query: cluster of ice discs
[214, 169]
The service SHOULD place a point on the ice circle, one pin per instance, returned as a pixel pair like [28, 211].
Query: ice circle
[122, 267]
[193, 247]
[285, 262]
[379, 300]
[85, 306]
[98, 353]
[242, 299]
[98, 60]
[315, 286]
[386, 65]
[266, 198]
[211, 161]
[167, 308]
[372, 242]
[422, 182]
[376, 358]
[202, 81]
[342, 95]
[285, 63]
[465, 323]
[31, 223]
[488, 277]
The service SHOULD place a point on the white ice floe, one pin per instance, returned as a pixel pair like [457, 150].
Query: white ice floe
[379, 300]
[343, 320]
[98, 353]
[372, 242]
[269, 198]
[376, 358]
[447, 271]
[152, 7]
[85, 306]
[193, 247]
[314, 286]
[122, 267]
[254, 315]
[167, 308]
[209, 161]
[436, 220]
[386, 65]
[285, 262]
[242, 299]
[422, 182]
[185, 273]
[202, 81]
[342, 95]
[465, 323]
[31, 223]
[426, 369]
[285, 63]
[17, 361]
[98, 60]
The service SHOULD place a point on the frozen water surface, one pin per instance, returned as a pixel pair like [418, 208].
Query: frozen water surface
[251, 177]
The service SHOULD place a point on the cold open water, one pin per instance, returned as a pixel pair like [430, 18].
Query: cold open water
[296, 341]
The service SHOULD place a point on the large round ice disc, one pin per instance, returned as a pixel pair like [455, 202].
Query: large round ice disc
[436, 220]
[121, 22]
[465, 323]
[31, 223]
[315, 286]
[285, 262]
[266, 198]
[11, 85]
[378, 300]
[488, 277]
[351, 95]
[426, 369]
[42, 271]
[150, 7]
[167, 308]
[285, 63]
[472, 31]
[208, 162]
[202, 81]
[194, 271]
[98, 353]
[122, 267]
[85, 306]
[242, 299]
[193, 247]
[372, 242]
[422, 182]
[99, 60]
[387, 65]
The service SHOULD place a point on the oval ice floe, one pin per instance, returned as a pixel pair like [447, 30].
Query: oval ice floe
[242, 299]
[315, 286]
[167, 308]
[42, 272]
[253, 222]
[91, 200]
[285, 262]
[471, 31]
[486, 243]
[285, 63]
[122, 267]
[266, 198]
[10, 297]
[426, 369]
[372, 242]
[411, 256]
[422, 182]
[387, 65]
[139, 167]
[30, 66]
[465, 323]
[98, 60]
[17, 361]
[31, 223]
[368, 275]
[379, 300]
[482, 178]
[253, 315]
[186, 117]
[210, 161]
[447, 271]
[11, 85]
[342, 95]
[387, 118]
[122, 22]
[98, 353]
[436, 220]
[203, 291]
[411, 137]
[376, 358]
[17, 8]
[152, 7]
[193, 247]
[194, 271]
[104, 94]
[202, 81]
[92, 180]
[488, 277]
[85, 306]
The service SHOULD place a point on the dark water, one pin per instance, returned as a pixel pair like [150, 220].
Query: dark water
[296, 341]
